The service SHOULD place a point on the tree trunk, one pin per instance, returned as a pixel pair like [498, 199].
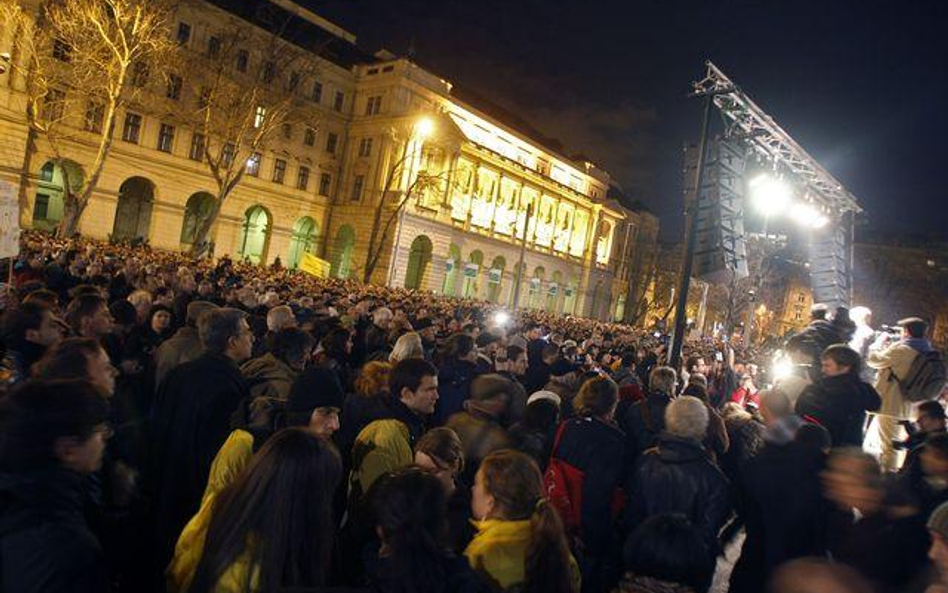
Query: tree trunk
[22, 194]
[72, 212]
[200, 246]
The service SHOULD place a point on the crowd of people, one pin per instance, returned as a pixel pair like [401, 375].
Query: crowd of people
[179, 425]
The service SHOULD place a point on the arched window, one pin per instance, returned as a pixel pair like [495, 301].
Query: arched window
[197, 208]
[133, 211]
[418, 259]
[342, 249]
[256, 235]
[303, 241]
[48, 202]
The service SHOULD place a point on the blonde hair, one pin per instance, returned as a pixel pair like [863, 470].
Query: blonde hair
[408, 345]
[373, 380]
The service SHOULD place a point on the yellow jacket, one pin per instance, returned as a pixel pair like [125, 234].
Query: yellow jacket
[381, 447]
[232, 458]
[498, 553]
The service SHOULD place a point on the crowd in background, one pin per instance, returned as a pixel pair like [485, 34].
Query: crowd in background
[169, 424]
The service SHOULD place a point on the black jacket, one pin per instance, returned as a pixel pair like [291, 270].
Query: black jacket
[839, 404]
[642, 426]
[454, 388]
[785, 514]
[598, 450]
[192, 420]
[677, 476]
[45, 545]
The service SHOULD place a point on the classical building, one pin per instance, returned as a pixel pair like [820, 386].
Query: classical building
[487, 204]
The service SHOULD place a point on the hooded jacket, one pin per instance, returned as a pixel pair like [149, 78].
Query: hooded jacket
[839, 404]
[45, 544]
[269, 376]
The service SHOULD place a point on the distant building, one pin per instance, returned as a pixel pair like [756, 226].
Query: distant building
[379, 124]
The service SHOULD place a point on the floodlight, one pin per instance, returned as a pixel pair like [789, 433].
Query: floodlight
[771, 195]
[804, 214]
[424, 127]
[501, 318]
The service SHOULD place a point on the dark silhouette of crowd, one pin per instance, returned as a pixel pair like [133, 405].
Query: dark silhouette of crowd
[202, 426]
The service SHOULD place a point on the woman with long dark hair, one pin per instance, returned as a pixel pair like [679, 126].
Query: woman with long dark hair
[411, 517]
[520, 539]
[272, 528]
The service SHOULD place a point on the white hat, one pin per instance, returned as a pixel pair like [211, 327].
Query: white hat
[548, 395]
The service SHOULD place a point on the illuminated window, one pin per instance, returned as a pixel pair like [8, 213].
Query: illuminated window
[279, 170]
[253, 164]
[259, 116]
[95, 114]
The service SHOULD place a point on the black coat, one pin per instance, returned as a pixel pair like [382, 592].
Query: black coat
[839, 404]
[191, 422]
[642, 426]
[677, 476]
[598, 450]
[784, 512]
[454, 388]
[45, 544]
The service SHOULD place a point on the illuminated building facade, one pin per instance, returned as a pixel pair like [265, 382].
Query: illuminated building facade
[477, 192]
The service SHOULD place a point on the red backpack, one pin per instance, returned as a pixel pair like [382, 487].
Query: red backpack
[564, 489]
[564, 486]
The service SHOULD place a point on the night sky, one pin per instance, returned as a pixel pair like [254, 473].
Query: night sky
[858, 84]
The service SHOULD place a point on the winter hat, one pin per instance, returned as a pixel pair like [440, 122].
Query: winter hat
[316, 387]
[938, 521]
[544, 395]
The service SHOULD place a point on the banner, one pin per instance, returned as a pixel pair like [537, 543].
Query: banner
[568, 292]
[470, 270]
[9, 220]
[534, 284]
[448, 266]
[315, 266]
[553, 289]
[493, 275]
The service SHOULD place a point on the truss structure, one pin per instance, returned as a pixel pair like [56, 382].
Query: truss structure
[745, 119]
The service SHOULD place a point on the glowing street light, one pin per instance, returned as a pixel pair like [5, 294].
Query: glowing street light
[424, 128]
[771, 195]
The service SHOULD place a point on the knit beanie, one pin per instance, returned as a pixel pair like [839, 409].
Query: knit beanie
[315, 387]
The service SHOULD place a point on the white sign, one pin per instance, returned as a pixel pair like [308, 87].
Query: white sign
[9, 220]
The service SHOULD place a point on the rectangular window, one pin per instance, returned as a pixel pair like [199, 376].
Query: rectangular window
[294, 82]
[184, 33]
[228, 154]
[243, 60]
[166, 138]
[317, 94]
[95, 113]
[365, 147]
[325, 183]
[41, 207]
[61, 50]
[279, 171]
[309, 137]
[213, 47]
[53, 104]
[174, 87]
[253, 164]
[287, 131]
[196, 153]
[269, 72]
[358, 184]
[259, 116]
[132, 128]
[139, 75]
[302, 178]
[331, 140]
[204, 99]
[339, 100]
[373, 105]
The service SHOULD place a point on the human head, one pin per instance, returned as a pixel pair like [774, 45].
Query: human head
[440, 453]
[663, 379]
[938, 529]
[53, 423]
[840, 359]
[817, 575]
[550, 353]
[225, 332]
[516, 360]
[669, 548]
[293, 346]
[280, 317]
[853, 480]
[597, 398]
[284, 497]
[31, 322]
[696, 364]
[934, 457]
[408, 345]
[78, 359]
[160, 318]
[373, 379]
[142, 301]
[930, 416]
[315, 401]
[687, 417]
[337, 343]
[913, 327]
[414, 382]
[382, 317]
[774, 406]
[196, 309]
[88, 315]
[814, 438]
[461, 347]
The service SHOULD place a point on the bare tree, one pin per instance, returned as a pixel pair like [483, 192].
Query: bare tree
[83, 61]
[248, 85]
